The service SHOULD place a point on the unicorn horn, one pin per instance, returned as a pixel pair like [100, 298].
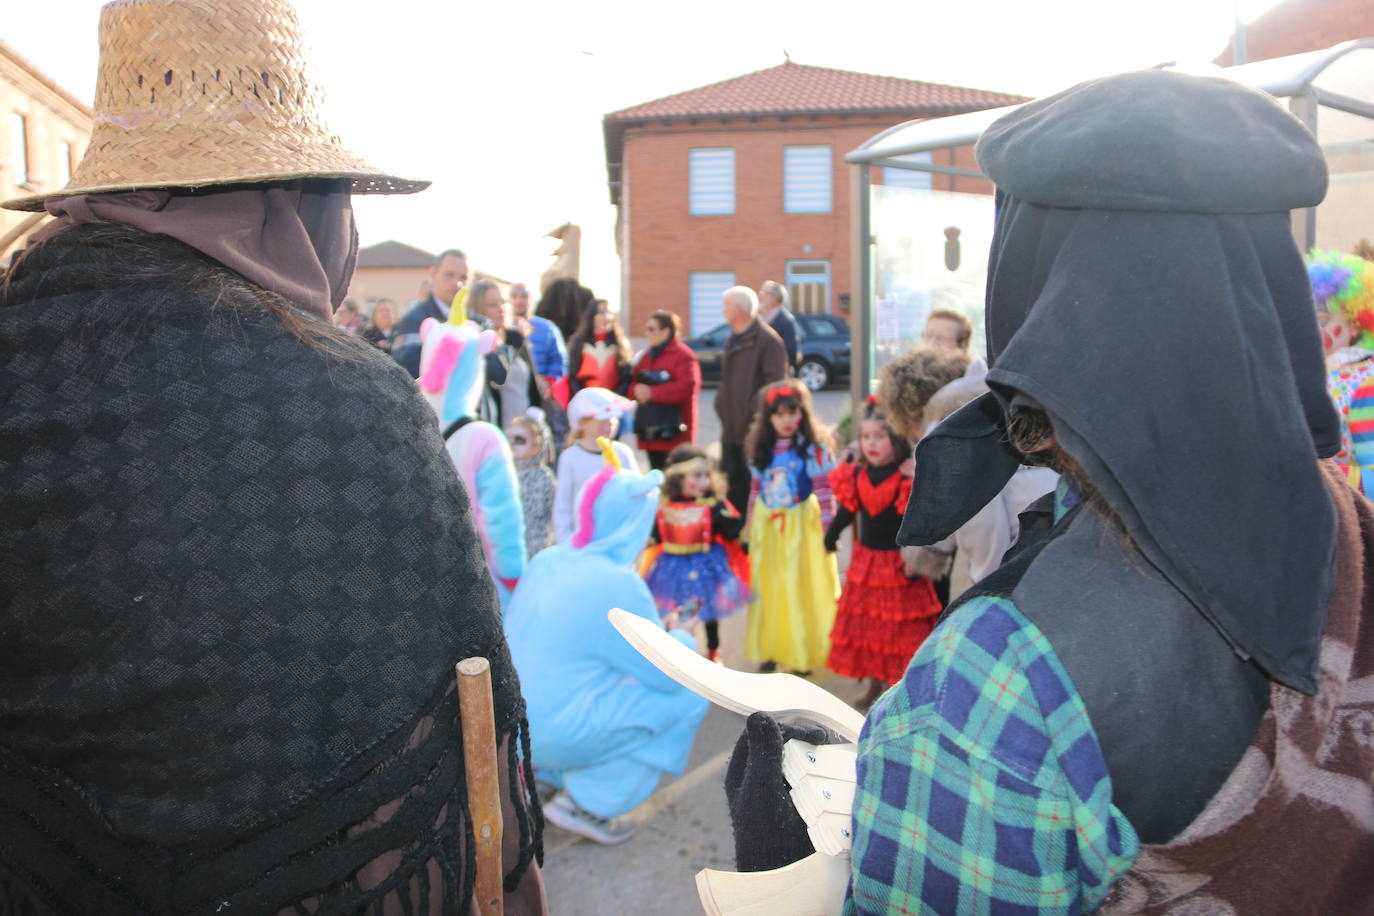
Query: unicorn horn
[608, 453]
[459, 313]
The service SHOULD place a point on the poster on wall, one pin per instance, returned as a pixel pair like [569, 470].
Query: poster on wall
[930, 252]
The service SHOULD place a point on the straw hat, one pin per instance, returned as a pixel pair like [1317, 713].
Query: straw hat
[202, 92]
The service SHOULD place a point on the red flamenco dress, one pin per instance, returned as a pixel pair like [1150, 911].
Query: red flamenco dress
[883, 616]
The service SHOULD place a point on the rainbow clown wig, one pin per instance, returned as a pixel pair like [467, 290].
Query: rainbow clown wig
[1344, 283]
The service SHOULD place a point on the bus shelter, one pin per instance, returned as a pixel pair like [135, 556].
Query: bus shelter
[923, 224]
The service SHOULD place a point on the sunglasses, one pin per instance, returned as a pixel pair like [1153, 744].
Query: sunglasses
[519, 440]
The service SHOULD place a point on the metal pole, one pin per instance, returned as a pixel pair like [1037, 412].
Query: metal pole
[861, 315]
[1239, 54]
[1304, 108]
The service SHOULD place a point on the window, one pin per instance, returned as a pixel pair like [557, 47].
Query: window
[712, 181]
[816, 326]
[705, 290]
[909, 178]
[64, 163]
[19, 148]
[806, 179]
[808, 286]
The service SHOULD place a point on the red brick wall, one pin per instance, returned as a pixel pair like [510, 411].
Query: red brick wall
[662, 243]
[1304, 25]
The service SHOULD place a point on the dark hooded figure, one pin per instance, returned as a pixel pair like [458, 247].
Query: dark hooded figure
[1149, 706]
[1163, 704]
[237, 567]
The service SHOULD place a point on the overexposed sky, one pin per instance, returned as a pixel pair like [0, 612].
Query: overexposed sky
[500, 104]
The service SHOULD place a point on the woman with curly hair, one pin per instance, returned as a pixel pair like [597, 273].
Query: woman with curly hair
[908, 382]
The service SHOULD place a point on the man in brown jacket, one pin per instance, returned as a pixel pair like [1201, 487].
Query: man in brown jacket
[754, 356]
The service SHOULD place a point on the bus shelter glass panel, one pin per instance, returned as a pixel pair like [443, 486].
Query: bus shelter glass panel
[1347, 214]
[930, 251]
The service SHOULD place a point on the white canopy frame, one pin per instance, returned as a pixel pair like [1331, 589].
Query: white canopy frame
[1330, 90]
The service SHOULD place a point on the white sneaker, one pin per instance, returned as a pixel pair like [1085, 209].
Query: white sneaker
[563, 812]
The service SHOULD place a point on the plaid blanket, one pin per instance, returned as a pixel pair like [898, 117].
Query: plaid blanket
[981, 786]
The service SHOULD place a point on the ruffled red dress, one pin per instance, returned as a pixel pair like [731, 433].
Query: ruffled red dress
[883, 616]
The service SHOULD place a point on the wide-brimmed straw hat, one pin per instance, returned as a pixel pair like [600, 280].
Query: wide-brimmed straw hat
[194, 93]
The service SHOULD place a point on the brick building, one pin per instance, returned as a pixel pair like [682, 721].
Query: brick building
[744, 181]
[1294, 26]
[44, 135]
[390, 270]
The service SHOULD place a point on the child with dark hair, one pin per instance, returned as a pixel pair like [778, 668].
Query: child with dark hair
[697, 566]
[883, 616]
[795, 582]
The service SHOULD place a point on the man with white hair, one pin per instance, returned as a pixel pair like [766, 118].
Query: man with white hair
[754, 356]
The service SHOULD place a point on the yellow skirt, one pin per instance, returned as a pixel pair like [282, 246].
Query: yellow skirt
[795, 587]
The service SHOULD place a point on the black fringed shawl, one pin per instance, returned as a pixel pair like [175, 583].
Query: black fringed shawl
[236, 570]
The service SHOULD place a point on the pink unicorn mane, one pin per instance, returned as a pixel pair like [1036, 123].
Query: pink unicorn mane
[586, 523]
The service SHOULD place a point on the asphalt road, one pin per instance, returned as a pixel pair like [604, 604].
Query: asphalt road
[685, 825]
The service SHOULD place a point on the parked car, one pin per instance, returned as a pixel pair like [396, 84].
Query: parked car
[824, 345]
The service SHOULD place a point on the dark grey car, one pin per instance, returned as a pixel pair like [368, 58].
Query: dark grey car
[823, 341]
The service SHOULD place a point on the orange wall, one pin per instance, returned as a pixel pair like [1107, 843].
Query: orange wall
[402, 284]
[662, 243]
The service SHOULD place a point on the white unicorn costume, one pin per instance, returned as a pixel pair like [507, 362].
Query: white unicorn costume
[452, 375]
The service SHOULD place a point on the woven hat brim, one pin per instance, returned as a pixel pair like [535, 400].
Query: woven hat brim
[198, 93]
[371, 183]
[363, 183]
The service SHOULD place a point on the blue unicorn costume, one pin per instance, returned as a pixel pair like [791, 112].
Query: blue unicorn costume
[452, 376]
[605, 724]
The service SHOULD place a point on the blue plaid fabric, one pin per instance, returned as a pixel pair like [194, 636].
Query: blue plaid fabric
[981, 786]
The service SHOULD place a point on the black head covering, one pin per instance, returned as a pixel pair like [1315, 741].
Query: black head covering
[1145, 290]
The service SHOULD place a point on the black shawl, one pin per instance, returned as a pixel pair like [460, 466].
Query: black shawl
[236, 570]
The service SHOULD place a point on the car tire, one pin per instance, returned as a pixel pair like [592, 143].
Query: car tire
[814, 373]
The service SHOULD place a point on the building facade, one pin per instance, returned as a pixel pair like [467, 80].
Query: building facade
[744, 181]
[390, 270]
[1294, 26]
[44, 135]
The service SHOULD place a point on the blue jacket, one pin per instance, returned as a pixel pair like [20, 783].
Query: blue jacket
[785, 323]
[546, 343]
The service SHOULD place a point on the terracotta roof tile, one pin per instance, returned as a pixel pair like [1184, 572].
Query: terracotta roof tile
[799, 88]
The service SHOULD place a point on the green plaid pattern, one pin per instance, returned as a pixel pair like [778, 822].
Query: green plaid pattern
[981, 786]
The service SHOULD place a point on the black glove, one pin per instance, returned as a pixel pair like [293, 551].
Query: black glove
[842, 520]
[769, 833]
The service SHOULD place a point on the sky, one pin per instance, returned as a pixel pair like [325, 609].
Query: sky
[500, 103]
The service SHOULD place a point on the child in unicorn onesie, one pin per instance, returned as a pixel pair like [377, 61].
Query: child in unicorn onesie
[605, 724]
[452, 378]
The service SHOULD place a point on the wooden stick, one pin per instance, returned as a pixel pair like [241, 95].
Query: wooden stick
[483, 778]
[23, 226]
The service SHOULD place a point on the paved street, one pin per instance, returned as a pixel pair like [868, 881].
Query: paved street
[684, 827]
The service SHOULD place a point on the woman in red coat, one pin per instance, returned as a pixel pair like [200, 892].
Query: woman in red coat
[665, 382]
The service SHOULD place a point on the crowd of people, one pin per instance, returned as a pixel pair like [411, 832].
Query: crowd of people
[704, 553]
[1109, 596]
